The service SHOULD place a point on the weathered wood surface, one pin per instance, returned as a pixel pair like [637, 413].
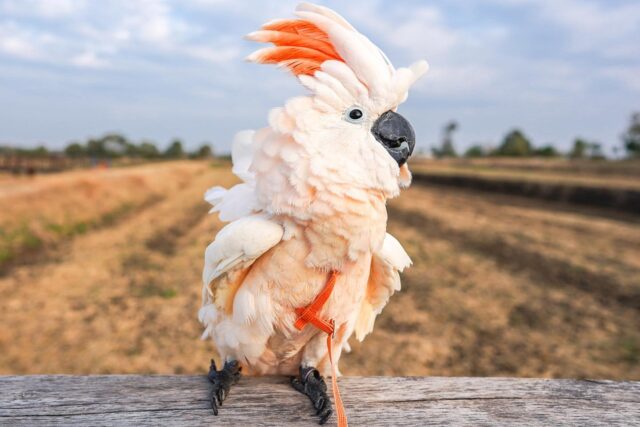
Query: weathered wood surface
[121, 400]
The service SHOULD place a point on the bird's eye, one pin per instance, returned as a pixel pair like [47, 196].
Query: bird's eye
[354, 114]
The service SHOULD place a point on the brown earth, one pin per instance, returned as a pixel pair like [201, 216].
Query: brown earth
[500, 285]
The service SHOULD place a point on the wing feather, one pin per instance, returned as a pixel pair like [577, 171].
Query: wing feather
[384, 280]
[228, 258]
[239, 243]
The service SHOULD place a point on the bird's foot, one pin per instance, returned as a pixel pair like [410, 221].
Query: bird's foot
[222, 381]
[312, 384]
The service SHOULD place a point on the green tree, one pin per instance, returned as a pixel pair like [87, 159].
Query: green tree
[148, 150]
[175, 150]
[546, 151]
[475, 151]
[204, 152]
[447, 148]
[579, 150]
[115, 145]
[595, 151]
[75, 150]
[41, 151]
[631, 138]
[515, 144]
[95, 148]
[583, 149]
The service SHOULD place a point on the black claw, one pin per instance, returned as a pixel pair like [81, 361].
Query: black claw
[312, 384]
[222, 381]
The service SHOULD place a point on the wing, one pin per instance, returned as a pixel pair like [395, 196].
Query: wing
[227, 261]
[384, 280]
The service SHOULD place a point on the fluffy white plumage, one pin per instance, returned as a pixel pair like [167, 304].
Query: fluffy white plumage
[312, 199]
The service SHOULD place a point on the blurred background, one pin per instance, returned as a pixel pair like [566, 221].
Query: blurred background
[523, 221]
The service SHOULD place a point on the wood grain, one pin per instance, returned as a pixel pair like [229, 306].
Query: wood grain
[372, 401]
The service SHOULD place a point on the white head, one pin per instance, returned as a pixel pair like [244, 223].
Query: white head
[347, 133]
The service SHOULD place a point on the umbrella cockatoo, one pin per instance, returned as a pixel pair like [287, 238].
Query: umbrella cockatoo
[307, 226]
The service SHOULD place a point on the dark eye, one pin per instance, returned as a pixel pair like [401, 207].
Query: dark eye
[354, 114]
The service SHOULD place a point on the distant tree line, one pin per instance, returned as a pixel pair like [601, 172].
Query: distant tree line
[113, 146]
[516, 144]
[39, 151]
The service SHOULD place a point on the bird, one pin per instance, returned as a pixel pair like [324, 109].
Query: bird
[305, 261]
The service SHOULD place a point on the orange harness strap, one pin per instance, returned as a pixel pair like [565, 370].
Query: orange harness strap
[309, 314]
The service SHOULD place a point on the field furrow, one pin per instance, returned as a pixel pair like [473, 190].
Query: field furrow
[109, 303]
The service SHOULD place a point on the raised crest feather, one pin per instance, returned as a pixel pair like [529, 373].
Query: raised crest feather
[300, 46]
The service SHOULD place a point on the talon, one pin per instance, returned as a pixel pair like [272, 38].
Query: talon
[325, 417]
[214, 405]
[222, 381]
[312, 384]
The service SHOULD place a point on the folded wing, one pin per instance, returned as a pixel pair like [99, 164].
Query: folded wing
[226, 263]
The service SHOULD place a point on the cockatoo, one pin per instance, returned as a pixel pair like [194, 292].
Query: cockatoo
[311, 209]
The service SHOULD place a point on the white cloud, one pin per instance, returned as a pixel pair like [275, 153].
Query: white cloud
[459, 80]
[47, 9]
[609, 30]
[100, 34]
[628, 75]
[219, 55]
[599, 27]
[89, 59]
[24, 44]
[462, 59]
[19, 47]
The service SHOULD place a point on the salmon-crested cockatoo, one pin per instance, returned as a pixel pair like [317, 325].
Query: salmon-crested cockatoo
[307, 226]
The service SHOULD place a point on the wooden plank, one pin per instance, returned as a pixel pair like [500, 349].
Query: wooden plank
[373, 401]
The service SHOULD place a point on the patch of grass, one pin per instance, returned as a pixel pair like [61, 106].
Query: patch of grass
[526, 315]
[630, 350]
[6, 255]
[70, 230]
[168, 293]
[164, 241]
[221, 162]
[17, 241]
[56, 228]
[150, 289]
[111, 217]
[24, 237]
[138, 261]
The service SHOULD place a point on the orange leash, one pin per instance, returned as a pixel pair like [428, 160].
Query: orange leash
[309, 314]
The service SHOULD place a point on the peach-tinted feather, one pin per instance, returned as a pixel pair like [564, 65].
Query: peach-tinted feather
[299, 45]
[274, 55]
[280, 38]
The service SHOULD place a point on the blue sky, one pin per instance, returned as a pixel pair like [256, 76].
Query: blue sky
[557, 69]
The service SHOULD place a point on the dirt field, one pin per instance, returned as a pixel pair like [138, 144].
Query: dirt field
[500, 285]
[620, 175]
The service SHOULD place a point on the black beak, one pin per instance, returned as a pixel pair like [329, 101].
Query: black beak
[396, 135]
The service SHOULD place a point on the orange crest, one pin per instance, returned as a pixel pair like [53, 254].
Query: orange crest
[299, 45]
